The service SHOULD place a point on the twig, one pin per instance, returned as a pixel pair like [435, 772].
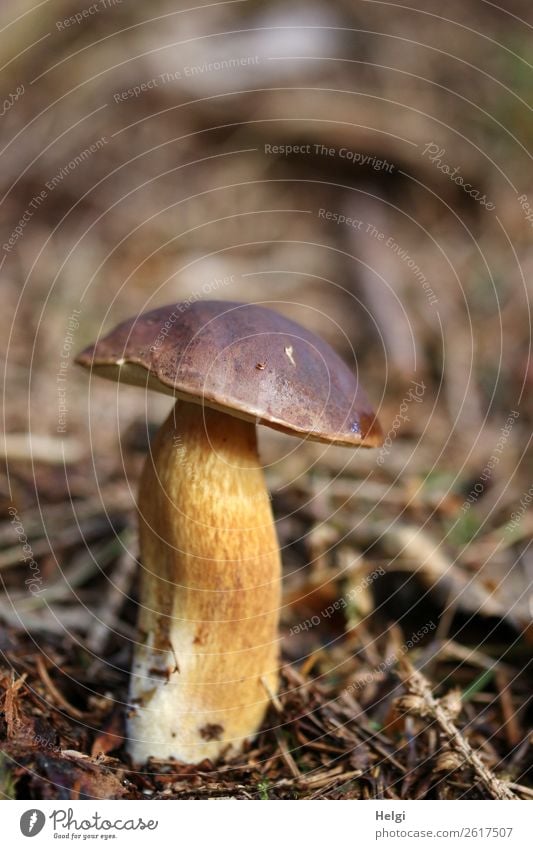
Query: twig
[510, 725]
[119, 584]
[113, 498]
[41, 448]
[273, 697]
[73, 535]
[330, 780]
[83, 566]
[432, 707]
[286, 755]
[57, 695]
[472, 656]
[44, 621]
[525, 791]
[10, 705]
[310, 662]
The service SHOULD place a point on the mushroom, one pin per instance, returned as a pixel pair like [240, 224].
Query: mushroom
[206, 664]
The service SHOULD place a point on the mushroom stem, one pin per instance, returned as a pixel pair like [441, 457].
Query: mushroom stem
[210, 591]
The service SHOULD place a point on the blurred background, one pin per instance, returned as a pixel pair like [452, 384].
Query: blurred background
[363, 167]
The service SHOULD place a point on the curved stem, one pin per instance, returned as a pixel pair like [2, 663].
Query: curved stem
[210, 591]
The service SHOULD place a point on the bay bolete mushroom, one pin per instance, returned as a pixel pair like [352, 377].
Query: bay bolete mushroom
[206, 663]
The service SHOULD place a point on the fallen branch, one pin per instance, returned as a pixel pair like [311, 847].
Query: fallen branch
[426, 705]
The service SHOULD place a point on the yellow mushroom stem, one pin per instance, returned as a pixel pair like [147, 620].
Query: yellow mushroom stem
[207, 654]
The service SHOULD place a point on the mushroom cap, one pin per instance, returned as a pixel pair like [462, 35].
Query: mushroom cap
[242, 359]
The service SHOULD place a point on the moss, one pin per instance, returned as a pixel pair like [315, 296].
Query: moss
[7, 782]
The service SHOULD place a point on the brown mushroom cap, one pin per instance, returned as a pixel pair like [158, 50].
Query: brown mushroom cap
[245, 360]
